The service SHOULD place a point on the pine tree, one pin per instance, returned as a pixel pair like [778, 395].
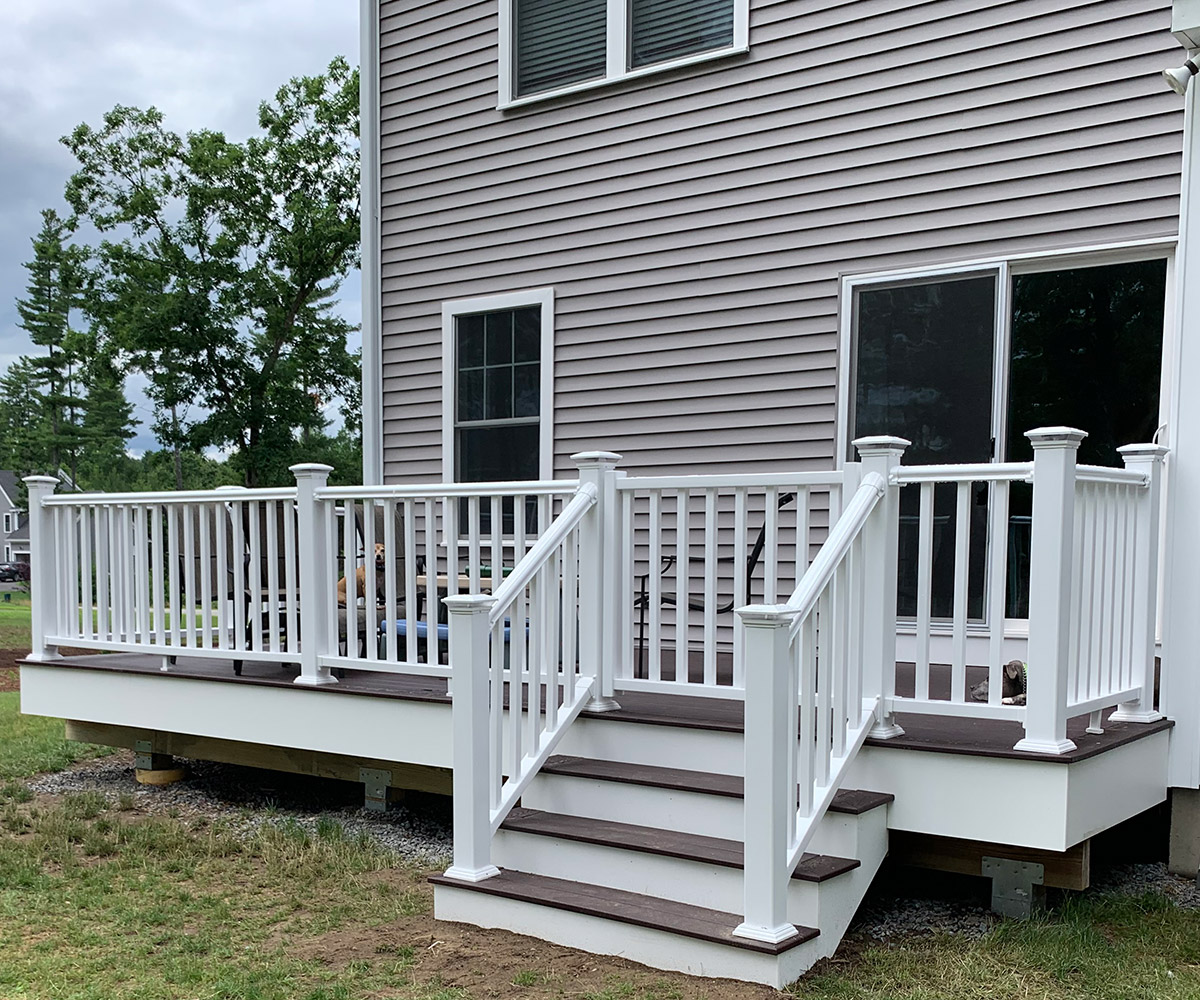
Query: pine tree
[53, 292]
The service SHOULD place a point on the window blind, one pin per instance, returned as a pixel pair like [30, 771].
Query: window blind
[558, 42]
[669, 29]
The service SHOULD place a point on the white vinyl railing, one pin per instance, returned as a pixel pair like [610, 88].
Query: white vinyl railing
[433, 541]
[976, 488]
[1114, 559]
[694, 548]
[165, 572]
[524, 666]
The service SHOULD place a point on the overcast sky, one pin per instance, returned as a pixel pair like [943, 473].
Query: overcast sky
[203, 63]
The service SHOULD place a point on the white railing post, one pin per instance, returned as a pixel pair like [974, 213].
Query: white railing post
[1147, 459]
[43, 568]
[881, 554]
[600, 588]
[315, 576]
[770, 794]
[1050, 586]
[470, 649]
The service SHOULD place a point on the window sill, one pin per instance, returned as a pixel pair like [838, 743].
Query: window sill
[633, 74]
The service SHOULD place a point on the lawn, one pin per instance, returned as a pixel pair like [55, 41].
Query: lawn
[101, 899]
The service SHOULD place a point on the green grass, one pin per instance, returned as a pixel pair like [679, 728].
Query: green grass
[31, 744]
[1142, 948]
[14, 621]
[96, 903]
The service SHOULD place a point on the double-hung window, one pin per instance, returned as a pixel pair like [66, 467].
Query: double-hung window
[498, 356]
[554, 45]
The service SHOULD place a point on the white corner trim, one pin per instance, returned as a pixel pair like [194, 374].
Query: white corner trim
[543, 297]
[369, 200]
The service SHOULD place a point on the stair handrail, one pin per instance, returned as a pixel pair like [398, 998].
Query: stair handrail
[550, 541]
[562, 583]
[821, 651]
[836, 547]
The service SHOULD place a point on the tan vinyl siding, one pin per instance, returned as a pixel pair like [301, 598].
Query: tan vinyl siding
[695, 224]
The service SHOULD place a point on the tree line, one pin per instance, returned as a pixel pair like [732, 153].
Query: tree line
[209, 268]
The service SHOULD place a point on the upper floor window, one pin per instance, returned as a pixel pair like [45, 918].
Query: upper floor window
[9, 522]
[551, 46]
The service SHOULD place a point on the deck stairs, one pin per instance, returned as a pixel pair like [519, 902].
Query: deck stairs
[613, 852]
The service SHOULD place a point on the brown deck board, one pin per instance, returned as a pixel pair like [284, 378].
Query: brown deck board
[668, 843]
[943, 734]
[845, 800]
[684, 919]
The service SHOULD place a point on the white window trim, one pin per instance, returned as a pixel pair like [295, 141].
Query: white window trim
[617, 57]
[543, 297]
[1004, 267]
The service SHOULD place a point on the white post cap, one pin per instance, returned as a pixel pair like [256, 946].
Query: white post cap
[1052, 437]
[879, 444]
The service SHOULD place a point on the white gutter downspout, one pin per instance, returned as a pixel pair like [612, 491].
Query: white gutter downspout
[372, 325]
[1180, 689]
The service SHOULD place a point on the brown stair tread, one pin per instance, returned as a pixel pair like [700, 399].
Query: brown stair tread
[845, 800]
[626, 907]
[669, 843]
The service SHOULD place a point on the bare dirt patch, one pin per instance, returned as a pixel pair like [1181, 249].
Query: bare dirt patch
[494, 963]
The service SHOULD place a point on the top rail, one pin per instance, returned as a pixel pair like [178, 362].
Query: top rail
[977, 472]
[1104, 474]
[556, 487]
[841, 537]
[762, 479]
[525, 570]
[222, 494]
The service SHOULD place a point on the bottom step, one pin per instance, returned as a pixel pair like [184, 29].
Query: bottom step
[656, 932]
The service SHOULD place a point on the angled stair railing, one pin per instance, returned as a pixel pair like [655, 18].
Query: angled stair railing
[824, 650]
[524, 664]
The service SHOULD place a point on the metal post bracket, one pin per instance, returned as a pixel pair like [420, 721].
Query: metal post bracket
[1017, 886]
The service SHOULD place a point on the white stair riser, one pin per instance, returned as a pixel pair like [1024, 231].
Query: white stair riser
[655, 746]
[666, 809]
[659, 949]
[699, 883]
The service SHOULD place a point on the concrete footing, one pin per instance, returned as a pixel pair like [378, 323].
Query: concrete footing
[1184, 856]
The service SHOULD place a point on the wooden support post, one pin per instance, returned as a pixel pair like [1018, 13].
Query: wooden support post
[1053, 533]
[316, 578]
[470, 649]
[1148, 459]
[881, 548]
[43, 569]
[770, 792]
[599, 581]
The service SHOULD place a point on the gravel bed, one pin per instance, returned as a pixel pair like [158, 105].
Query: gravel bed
[911, 904]
[418, 830]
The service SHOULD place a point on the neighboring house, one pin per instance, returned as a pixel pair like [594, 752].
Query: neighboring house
[13, 520]
[673, 309]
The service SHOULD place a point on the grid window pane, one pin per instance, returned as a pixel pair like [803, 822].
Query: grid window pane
[526, 390]
[470, 394]
[527, 334]
[499, 338]
[470, 341]
[498, 394]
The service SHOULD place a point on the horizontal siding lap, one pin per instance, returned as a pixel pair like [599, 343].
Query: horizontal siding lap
[694, 224]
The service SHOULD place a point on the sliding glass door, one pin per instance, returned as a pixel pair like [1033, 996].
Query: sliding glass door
[962, 365]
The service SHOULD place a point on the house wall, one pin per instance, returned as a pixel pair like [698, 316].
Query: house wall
[694, 224]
